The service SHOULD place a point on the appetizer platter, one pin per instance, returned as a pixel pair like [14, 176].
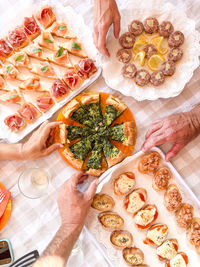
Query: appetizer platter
[45, 62]
[98, 131]
[145, 215]
[156, 54]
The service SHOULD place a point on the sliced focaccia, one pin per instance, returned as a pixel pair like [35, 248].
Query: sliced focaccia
[32, 84]
[135, 200]
[72, 79]
[12, 97]
[156, 235]
[31, 28]
[181, 260]
[46, 40]
[46, 16]
[29, 112]
[133, 256]
[168, 250]
[75, 48]
[124, 183]
[59, 90]
[44, 102]
[124, 133]
[114, 108]
[110, 220]
[44, 69]
[35, 51]
[146, 217]
[60, 57]
[14, 122]
[112, 154]
[11, 73]
[121, 238]
[20, 59]
[103, 202]
[60, 29]
[17, 38]
[86, 68]
[5, 50]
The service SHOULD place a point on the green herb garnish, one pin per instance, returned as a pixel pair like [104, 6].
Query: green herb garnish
[61, 27]
[36, 50]
[31, 84]
[76, 46]
[48, 41]
[44, 69]
[19, 58]
[8, 69]
[60, 52]
[11, 96]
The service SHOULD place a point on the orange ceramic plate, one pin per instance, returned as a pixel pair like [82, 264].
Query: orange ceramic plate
[126, 116]
[6, 216]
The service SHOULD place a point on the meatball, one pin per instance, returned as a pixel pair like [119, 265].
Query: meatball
[150, 50]
[166, 28]
[124, 55]
[129, 70]
[175, 54]
[142, 77]
[136, 27]
[176, 39]
[151, 25]
[157, 78]
[168, 68]
[127, 40]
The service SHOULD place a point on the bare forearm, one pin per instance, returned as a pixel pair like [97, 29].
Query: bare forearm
[60, 247]
[11, 152]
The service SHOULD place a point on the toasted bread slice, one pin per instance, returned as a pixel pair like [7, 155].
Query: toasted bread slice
[156, 235]
[124, 183]
[146, 217]
[135, 200]
[110, 220]
[20, 59]
[168, 250]
[161, 179]
[172, 198]
[45, 16]
[75, 48]
[181, 259]
[133, 256]
[193, 233]
[35, 51]
[121, 238]
[60, 29]
[149, 163]
[46, 40]
[184, 215]
[103, 202]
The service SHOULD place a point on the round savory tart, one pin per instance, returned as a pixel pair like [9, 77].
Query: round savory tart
[98, 131]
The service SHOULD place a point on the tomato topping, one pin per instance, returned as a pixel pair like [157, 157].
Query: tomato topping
[185, 257]
[126, 203]
[175, 246]
[46, 12]
[142, 197]
[130, 176]
[148, 241]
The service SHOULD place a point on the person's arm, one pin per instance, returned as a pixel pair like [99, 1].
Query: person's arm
[178, 129]
[73, 207]
[106, 13]
[35, 147]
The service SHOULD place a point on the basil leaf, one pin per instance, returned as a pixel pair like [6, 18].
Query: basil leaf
[48, 41]
[19, 58]
[76, 46]
[61, 27]
[60, 52]
[31, 84]
[8, 69]
[36, 50]
[44, 69]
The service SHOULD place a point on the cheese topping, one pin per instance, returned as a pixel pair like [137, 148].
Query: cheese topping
[177, 37]
[178, 261]
[167, 250]
[128, 39]
[135, 26]
[167, 66]
[143, 74]
[135, 202]
[144, 217]
[167, 26]
[126, 55]
[125, 184]
[129, 69]
[135, 259]
[158, 237]
[175, 52]
[150, 22]
[158, 77]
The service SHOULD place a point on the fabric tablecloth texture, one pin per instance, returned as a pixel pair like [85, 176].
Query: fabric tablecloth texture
[34, 222]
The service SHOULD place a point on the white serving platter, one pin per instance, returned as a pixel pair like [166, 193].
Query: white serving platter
[101, 237]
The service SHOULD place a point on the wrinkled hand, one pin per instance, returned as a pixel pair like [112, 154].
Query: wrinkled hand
[73, 204]
[106, 13]
[37, 145]
[179, 129]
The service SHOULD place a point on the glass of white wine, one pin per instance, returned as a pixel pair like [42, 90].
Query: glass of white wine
[34, 182]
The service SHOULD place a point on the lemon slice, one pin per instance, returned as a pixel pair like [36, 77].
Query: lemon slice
[141, 57]
[155, 61]
[143, 39]
[138, 45]
[157, 41]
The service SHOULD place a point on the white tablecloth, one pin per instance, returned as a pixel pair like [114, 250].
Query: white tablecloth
[34, 222]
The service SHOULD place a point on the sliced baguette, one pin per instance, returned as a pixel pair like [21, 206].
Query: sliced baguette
[124, 183]
[110, 220]
[133, 256]
[121, 238]
[103, 202]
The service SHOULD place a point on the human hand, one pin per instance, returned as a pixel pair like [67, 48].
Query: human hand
[73, 204]
[106, 13]
[178, 129]
[37, 145]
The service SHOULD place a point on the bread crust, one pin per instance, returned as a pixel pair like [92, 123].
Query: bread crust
[125, 238]
[95, 172]
[70, 157]
[103, 202]
[72, 106]
[115, 223]
[89, 98]
[129, 132]
[113, 161]
[116, 102]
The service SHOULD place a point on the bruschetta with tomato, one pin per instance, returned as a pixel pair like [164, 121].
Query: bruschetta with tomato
[156, 235]
[124, 183]
[135, 200]
[146, 216]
